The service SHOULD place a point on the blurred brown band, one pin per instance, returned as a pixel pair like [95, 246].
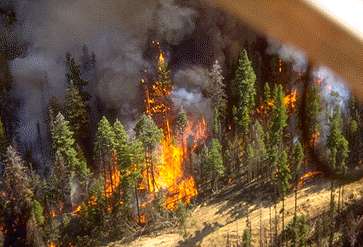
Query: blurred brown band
[325, 40]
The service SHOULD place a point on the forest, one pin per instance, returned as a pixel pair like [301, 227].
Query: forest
[112, 129]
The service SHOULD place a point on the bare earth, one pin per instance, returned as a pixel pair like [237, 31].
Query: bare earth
[213, 222]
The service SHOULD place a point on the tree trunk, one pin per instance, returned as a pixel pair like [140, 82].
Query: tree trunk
[137, 202]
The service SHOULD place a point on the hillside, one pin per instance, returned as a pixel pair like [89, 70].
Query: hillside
[210, 223]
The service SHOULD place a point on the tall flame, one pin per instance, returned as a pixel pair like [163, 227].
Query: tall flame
[171, 175]
[112, 177]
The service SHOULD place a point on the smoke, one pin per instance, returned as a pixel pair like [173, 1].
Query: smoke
[190, 83]
[289, 53]
[118, 33]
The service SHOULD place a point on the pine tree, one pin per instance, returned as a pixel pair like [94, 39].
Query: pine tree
[18, 197]
[148, 133]
[64, 147]
[214, 164]
[76, 112]
[244, 86]
[256, 149]
[121, 142]
[181, 123]
[297, 160]
[74, 76]
[284, 177]
[338, 146]
[312, 112]
[278, 125]
[216, 90]
[217, 126]
[105, 150]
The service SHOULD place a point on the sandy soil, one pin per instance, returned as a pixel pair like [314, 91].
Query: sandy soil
[217, 220]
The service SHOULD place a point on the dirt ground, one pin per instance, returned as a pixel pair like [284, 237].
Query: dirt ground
[224, 217]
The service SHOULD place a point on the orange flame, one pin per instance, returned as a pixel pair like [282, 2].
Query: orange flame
[290, 100]
[112, 177]
[280, 65]
[306, 176]
[53, 213]
[170, 174]
[77, 210]
[314, 138]
[142, 219]
[52, 244]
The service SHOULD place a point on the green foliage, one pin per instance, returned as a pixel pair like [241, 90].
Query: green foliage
[284, 173]
[244, 86]
[297, 159]
[267, 93]
[337, 144]
[74, 77]
[76, 111]
[181, 122]
[148, 132]
[279, 123]
[64, 146]
[182, 214]
[215, 158]
[217, 127]
[247, 238]
[297, 231]
[38, 212]
[312, 110]
[279, 116]
[105, 142]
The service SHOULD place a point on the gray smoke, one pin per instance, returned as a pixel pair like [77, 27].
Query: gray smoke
[190, 83]
[118, 33]
[289, 53]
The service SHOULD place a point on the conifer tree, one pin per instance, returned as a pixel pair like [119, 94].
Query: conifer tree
[297, 160]
[181, 122]
[278, 125]
[121, 142]
[64, 147]
[150, 135]
[284, 177]
[74, 76]
[312, 112]
[216, 90]
[256, 149]
[214, 164]
[18, 197]
[217, 126]
[337, 144]
[76, 112]
[105, 149]
[245, 93]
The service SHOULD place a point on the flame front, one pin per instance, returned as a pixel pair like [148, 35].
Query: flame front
[171, 174]
[307, 176]
[112, 177]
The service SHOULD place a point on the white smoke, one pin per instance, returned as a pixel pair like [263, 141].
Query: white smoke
[190, 82]
[289, 53]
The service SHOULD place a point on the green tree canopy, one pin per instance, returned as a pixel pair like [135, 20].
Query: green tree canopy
[245, 92]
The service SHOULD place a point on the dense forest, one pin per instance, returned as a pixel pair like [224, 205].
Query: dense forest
[97, 146]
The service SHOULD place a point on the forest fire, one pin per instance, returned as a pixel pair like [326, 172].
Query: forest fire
[52, 244]
[290, 100]
[170, 175]
[314, 138]
[307, 176]
[112, 180]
